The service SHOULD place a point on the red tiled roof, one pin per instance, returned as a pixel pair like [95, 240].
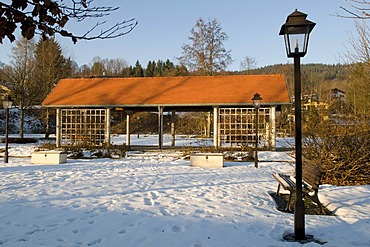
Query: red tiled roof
[175, 91]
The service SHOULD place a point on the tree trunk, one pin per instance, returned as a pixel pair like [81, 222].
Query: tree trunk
[21, 122]
[47, 127]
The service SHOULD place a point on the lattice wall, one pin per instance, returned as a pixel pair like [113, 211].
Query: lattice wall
[237, 125]
[83, 126]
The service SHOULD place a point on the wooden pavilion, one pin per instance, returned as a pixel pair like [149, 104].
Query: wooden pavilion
[84, 105]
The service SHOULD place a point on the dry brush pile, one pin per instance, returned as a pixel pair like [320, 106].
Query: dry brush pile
[342, 147]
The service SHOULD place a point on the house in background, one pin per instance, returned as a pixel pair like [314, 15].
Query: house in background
[84, 106]
[312, 101]
[4, 90]
[337, 94]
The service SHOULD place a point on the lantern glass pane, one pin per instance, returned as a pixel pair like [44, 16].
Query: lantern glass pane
[297, 43]
[257, 103]
[287, 44]
[7, 104]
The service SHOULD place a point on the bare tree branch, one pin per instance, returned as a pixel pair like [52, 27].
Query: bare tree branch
[49, 17]
[356, 10]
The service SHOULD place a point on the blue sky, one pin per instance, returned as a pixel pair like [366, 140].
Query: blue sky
[252, 26]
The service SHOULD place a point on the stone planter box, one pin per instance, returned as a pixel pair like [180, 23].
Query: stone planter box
[49, 157]
[210, 160]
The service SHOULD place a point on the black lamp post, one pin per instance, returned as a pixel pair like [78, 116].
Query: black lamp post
[138, 127]
[257, 104]
[7, 104]
[296, 31]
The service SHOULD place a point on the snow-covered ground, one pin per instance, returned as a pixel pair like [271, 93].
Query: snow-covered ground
[158, 199]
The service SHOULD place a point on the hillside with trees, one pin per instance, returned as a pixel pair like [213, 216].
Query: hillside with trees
[316, 78]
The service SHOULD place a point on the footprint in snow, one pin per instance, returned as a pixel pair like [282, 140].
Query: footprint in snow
[148, 202]
[155, 195]
[164, 212]
[70, 220]
[178, 229]
[34, 231]
[94, 242]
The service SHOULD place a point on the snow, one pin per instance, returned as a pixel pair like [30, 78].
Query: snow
[158, 199]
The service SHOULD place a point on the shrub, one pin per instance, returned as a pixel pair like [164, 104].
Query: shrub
[342, 147]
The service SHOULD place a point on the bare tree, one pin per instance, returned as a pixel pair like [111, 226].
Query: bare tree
[356, 9]
[358, 89]
[248, 63]
[358, 58]
[206, 54]
[115, 67]
[50, 17]
[97, 67]
[21, 77]
[107, 67]
[85, 71]
[359, 50]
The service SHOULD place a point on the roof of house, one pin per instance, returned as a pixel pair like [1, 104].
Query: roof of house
[168, 91]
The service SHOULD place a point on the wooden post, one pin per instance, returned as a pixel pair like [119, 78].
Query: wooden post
[128, 140]
[107, 126]
[160, 127]
[273, 126]
[58, 128]
[173, 131]
[216, 136]
[209, 124]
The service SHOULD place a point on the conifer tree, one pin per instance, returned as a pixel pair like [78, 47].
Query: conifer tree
[50, 67]
[149, 71]
[138, 70]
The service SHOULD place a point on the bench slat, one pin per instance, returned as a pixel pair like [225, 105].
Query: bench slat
[312, 175]
[285, 180]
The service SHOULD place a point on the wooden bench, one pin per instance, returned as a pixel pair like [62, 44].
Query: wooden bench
[311, 180]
